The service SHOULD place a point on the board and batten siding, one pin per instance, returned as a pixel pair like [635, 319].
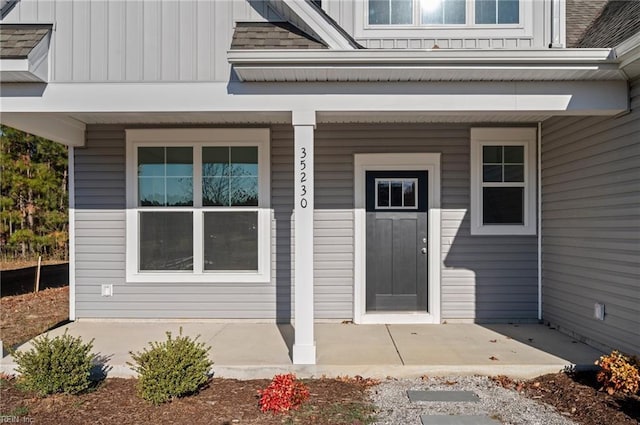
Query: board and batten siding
[591, 226]
[139, 40]
[483, 278]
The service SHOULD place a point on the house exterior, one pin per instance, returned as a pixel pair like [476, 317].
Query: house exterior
[376, 161]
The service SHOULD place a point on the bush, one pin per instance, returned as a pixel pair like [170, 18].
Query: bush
[173, 368]
[284, 393]
[59, 365]
[618, 373]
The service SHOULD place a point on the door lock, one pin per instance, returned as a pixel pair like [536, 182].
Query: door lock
[424, 250]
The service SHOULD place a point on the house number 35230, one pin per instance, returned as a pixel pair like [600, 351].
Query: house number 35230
[303, 178]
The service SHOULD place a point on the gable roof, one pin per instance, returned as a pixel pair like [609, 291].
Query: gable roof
[272, 35]
[24, 53]
[618, 21]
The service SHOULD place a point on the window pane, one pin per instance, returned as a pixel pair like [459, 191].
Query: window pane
[514, 173]
[179, 191]
[396, 194]
[454, 12]
[486, 12]
[215, 161]
[508, 11]
[150, 162]
[179, 162]
[409, 189]
[491, 173]
[432, 12]
[151, 191]
[244, 191]
[383, 194]
[514, 154]
[231, 241]
[166, 241]
[244, 161]
[215, 191]
[492, 154]
[401, 11]
[503, 205]
[379, 12]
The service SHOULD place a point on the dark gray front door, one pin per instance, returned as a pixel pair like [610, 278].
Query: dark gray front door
[396, 241]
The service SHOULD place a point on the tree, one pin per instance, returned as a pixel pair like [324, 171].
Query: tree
[33, 201]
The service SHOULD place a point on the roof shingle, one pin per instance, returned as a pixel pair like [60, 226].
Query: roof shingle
[272, 35]
[17, 42]
[619, 20]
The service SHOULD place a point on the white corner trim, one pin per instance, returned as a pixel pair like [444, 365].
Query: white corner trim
[319, 24]
[520, 136]
[406, 161]
[72, 233]
[259, 137]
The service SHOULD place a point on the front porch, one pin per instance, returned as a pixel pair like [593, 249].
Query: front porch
[260, 350]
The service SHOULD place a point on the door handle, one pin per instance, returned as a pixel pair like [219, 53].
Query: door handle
[424, 250]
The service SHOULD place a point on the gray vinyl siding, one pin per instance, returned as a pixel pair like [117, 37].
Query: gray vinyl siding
[138, 40]
[483, 278]
[591, 226]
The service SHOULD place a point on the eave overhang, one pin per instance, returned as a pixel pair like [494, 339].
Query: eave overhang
[424, 65]
[628, 55]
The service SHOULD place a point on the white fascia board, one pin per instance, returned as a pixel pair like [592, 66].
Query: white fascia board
[328, 33]
[408, 57]
[628, 55]
[549, 97]
[57, 127]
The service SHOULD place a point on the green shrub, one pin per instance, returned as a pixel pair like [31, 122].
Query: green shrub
[173, 368]
[59, 365]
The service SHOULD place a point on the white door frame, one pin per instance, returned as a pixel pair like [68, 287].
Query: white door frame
[397, 162]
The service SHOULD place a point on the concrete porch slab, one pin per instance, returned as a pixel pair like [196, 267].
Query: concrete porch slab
[259, 350]
[457, 420]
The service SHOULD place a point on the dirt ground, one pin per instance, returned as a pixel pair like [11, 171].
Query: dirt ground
[229, 402]
[20, 264]
[26, 316]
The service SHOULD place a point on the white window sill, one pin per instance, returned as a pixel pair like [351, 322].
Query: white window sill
[187, 277]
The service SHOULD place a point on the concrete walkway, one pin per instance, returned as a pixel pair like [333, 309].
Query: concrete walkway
[250, 350]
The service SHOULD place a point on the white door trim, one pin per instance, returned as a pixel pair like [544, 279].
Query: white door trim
[391, 162]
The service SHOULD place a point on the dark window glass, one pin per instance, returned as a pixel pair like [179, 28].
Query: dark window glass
[514, 173]
[383, 194]
[396, 193]
[165, 177]
[379, 12]
[514, 154]
[492, 154]
[395, 12]
[230, 176]
[231, 240]
[492, 173]
[503, 205]
[508, 11]
[409, 189]
[166, 241]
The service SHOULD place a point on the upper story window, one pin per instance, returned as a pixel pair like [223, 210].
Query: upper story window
[443, 12]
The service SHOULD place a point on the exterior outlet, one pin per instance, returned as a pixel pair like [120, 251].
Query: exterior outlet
[598, 312]
[107, 290]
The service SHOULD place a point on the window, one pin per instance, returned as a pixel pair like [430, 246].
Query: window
[198, 205]
[443, 12]
[396, 194]
[503, 181]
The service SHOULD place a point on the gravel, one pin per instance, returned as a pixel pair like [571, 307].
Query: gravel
[507, 406]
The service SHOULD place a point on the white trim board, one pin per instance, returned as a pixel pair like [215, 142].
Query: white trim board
[407, 161]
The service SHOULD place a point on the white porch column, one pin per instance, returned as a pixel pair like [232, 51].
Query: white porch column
[304, 347]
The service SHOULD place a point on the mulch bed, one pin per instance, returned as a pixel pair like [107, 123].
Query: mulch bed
[221, 402]
[26, 316]
[576, 395]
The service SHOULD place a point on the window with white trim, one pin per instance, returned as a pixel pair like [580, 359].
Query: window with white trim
[443, 12]
[503, 181]
[198, 205]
